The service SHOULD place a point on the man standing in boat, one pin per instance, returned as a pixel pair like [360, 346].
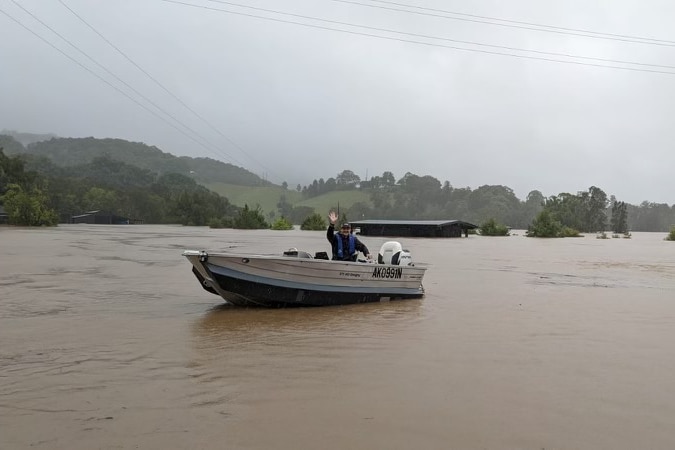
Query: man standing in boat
[346, 246]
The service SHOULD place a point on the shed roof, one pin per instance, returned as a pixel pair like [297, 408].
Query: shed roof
[438, 223]
[88, 213]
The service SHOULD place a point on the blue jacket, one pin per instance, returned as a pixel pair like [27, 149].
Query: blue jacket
[341, 251]
[345, 248]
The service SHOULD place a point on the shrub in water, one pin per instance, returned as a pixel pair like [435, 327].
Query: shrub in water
[492, 228]
[314, 222]
[282, 224]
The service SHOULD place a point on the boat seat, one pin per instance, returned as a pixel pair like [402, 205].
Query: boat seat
[294, 252]
[321, 255]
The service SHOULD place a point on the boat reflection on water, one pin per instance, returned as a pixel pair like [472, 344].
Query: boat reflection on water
[246, 356]
[227, 325]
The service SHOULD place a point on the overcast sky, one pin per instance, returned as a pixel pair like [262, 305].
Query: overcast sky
[473, 92]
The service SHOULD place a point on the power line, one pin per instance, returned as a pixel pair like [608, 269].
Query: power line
[514, 24]
[118, 78]
[578, 30]
[104, 80]
[154, 80]
[387, 30]
[356, 33]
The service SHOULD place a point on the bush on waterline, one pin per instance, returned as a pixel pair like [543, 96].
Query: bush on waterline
[282, 224]
[314, 222]
[492, 228]
[671, 235]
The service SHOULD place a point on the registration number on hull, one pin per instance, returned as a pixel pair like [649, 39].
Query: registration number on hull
[387, 272]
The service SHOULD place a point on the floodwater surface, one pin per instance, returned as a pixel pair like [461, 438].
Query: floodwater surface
[108, 341]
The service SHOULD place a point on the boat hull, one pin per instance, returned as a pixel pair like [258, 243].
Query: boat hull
[274, 281]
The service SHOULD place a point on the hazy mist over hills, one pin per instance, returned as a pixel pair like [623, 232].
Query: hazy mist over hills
[27, 138]
[293, 90]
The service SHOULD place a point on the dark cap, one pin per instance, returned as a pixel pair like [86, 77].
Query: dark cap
[345, 225]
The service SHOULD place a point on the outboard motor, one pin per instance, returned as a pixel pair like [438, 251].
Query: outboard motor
[392, 252]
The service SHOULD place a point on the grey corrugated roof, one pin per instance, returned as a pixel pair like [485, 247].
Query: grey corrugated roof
[438, 223]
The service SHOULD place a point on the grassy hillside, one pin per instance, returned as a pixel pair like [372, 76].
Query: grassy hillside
[268, 197]
[265, 196]
[345, 199]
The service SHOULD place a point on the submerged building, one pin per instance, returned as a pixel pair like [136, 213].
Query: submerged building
[414, 228]
[103, 218]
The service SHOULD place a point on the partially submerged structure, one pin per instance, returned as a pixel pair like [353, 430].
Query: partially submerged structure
[103, 218]
[414, 228]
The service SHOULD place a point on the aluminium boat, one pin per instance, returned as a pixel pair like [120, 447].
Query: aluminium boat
[298, 278]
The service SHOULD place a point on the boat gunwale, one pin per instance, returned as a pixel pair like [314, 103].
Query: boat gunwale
[198, 253]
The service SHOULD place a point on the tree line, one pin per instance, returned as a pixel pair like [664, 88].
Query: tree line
[425, 197]
[55, 194]
[35, 190]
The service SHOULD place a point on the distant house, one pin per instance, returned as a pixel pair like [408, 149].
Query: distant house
[99, 217]
[414, 228]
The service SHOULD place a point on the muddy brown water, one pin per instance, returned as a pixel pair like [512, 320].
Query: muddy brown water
[108, 341]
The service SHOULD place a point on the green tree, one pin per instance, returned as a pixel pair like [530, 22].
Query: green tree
[374, 183]
[314, 222]
[533, 204]
[595, 202]
[347, 178]
[492, 228]
[114, 174]
[497, 202]
[330, 185]
[381, 201]
[671, 235]
[24, 194]
[28, 208]
[191, 204]
[100, 199]
[545, 225]
[12, 170]
[282, 224]
[585, 211]
[417, 197]
[568, 209]
[619, 220]
[388, 179]
[250, 219]
[198, 207]
[649, 216]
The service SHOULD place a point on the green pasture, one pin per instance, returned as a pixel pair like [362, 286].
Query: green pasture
[268, 197]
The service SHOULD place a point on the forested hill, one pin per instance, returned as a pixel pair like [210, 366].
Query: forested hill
[67, 152]
[28, 138]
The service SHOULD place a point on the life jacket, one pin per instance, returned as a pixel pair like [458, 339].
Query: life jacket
[352, 246]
